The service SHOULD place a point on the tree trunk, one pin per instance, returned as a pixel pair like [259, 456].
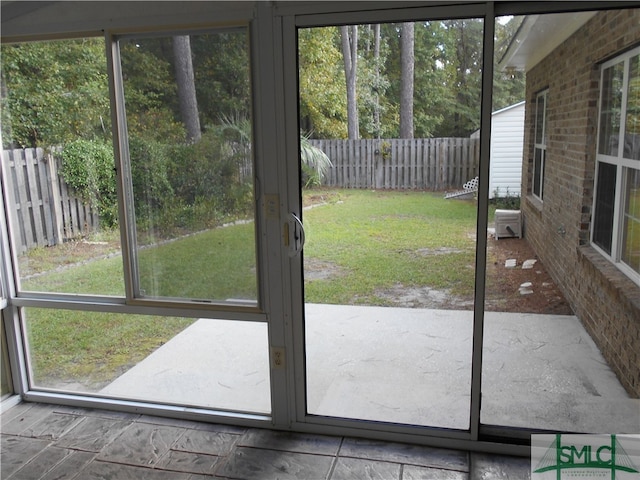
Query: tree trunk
[186, 87]
[407, 61]
[376, 61]
[349, 38]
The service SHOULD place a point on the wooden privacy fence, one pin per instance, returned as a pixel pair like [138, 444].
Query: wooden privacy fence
[420, 163]
[44, 210]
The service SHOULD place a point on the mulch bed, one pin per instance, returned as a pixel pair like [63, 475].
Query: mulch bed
[503, 284]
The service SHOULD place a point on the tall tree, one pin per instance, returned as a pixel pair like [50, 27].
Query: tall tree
[376, 62]
[53, 92]
[185, 82]
[372, 82]
[407, 59]
[462, 46]
[150, 89]
[431, 89]
[323, 102]
[223, 82]
[349, 39]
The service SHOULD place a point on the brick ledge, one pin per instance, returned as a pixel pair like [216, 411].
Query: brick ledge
[624, 286]
[535, 204]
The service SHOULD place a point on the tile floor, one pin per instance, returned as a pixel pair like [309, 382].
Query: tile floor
[55, 442]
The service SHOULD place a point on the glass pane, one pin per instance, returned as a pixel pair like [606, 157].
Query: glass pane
[541, 368]
[389, 261]
[58, 157]
[610, 110]
[632, 126]
[220, 364]
[5, 373]
[540, 112]
[604, 207]
[631, 222]
[189, 123]
[537, 172]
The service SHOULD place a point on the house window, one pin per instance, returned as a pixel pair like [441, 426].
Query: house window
[540, 147]
[616, 220]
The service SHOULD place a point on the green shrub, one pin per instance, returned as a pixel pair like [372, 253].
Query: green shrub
[509, 201]
[180, 188]
[149, 172]
[177, 188]
[210, 169]
[88, 167]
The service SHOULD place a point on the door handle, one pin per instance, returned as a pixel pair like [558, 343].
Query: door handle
[298, 236]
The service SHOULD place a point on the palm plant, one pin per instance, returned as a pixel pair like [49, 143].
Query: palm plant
[314, 162]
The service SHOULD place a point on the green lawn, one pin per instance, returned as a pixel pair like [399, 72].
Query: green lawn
[377, 240]
[215, 265]
[92, 348]
[382, 239]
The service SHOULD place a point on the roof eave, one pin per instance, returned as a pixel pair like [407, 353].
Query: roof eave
[538, 36]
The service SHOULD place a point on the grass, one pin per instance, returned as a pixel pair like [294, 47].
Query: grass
[173, 269]
[381, 239]
[92, 348]
[377, 240]
[215, 265]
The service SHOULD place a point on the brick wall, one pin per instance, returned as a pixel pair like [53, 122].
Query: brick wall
[605, 300]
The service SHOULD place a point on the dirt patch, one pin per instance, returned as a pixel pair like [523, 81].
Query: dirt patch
[426, 252]
[503, 289]
[424, 297]
[503, 284]
[315, 269]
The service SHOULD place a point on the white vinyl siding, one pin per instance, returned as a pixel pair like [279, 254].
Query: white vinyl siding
[507, 136]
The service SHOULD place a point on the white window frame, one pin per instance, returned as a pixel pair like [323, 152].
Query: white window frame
[622, 165]
[540, 146]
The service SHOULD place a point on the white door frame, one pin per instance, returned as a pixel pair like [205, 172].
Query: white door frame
[288, 79]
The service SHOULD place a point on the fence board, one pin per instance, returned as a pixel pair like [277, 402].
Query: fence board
[44, 211]
[34, 195]
[45, 196]
[9, 181]
[55, 202]
[22, 200]
[419, 166]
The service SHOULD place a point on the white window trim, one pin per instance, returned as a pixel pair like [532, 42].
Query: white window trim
[621, 163]
[542, 146]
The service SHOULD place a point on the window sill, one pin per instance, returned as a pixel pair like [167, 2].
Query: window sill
[627, 290]
[535, 203]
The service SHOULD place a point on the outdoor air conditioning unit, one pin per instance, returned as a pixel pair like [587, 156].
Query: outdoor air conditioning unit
[508, 224]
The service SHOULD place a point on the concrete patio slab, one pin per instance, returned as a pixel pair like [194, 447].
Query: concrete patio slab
[221, 364]
[399, 365]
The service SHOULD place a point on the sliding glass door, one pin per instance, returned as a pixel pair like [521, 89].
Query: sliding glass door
[387, 272]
